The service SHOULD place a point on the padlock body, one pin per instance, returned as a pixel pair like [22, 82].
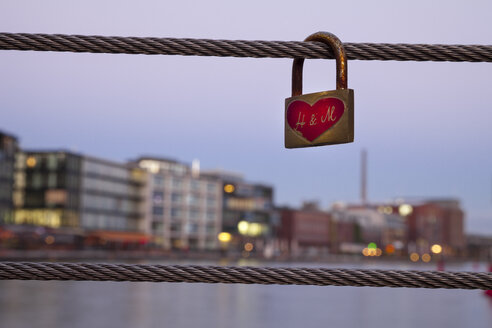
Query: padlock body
[321, 118]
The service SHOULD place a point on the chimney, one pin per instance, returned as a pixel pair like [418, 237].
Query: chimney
[363, 177]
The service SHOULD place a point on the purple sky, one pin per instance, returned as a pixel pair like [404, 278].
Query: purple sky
[425, 125]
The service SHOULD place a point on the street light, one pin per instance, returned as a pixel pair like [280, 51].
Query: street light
[224, 237]
[436, 249]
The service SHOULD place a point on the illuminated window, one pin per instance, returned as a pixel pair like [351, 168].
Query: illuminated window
[405, 209]
[229, 188]
[31, 161]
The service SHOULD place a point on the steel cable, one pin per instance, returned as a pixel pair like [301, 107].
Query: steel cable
[244, 275]
[239, 48]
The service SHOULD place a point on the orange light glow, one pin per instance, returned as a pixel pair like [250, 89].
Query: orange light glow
[436, 249]
[414, 257]
[248, 247]
[224, 237]
[390, 249]
[426, 257]
[228, 188]
[31, 161]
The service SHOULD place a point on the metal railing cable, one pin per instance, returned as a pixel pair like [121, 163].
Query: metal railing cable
[244, 275]
[242, 48]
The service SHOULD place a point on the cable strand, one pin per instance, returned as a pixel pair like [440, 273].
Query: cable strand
[244, 275]
[242, 48]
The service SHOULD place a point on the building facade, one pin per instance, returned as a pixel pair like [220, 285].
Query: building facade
[248, 214]
[439, 222]
[305, 232]
[356, 226]
[8, 149]
[184, 206]
[79, 194]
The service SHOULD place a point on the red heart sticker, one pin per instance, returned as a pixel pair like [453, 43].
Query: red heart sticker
[312, 121]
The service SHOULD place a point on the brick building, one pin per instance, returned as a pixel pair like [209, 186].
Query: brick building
[436, 222]
[304, 231]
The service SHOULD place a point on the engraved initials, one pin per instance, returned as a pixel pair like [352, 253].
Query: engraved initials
[299, 122]
[329, 115]
[313, 120]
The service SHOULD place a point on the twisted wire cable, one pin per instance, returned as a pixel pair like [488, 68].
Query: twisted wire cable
[244, 275]
[241, 48]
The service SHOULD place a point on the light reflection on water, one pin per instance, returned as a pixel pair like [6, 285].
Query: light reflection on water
[113, 304]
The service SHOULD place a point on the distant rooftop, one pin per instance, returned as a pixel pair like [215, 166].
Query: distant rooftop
[4, 134]
[76, 154]
[225, 175]
[158, 159]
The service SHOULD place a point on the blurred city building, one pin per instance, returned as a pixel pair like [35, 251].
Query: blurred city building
[360, 225]
[183, 204]
[61, 198]
[248, 215]
[479, 247]
[305, 231]
[434, 222]
[403, 226]
[8, 149]
[80, 195]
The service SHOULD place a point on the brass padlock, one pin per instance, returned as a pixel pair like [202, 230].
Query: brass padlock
[322, 118]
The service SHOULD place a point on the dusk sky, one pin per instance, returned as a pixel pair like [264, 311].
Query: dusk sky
[426, 126]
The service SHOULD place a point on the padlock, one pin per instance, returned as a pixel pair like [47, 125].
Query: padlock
[321, 118]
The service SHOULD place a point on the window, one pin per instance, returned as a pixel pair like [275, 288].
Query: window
[211, 201]
[210, 229]
[37, 180]
[211, 215]
[158, 197]
[157, 210]
[177, 183]
[194, 214]
[195, 185]
[175, 227]
[52, 162]
[194, 200]
[175, 213]
[157, 226]
[211, 187]
[191, 228]
[52, 180]
[159, 180]
[176, 197]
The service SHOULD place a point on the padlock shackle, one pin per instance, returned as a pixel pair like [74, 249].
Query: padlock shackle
[341, 58]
